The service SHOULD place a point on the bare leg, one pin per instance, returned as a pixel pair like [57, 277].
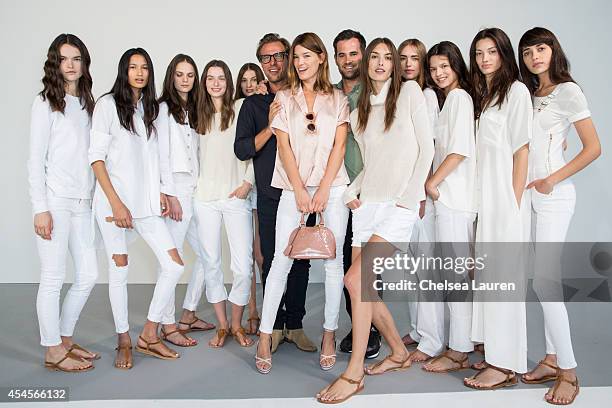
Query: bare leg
[219, 340]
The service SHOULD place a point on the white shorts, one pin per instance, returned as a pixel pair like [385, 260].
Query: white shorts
[392, 223]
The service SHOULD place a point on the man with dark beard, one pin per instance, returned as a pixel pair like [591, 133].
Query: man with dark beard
[349, 47]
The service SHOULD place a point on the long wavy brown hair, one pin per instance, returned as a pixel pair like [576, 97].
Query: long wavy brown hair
[363, 104]
[176, 105]
[206, 107]
[503, 78]
[312, 42]
[559, 68]
[249, 66]
[53, 81]
[422, 53]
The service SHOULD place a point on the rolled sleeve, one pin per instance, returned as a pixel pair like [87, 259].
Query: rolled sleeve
[101, 138]
[280, 120]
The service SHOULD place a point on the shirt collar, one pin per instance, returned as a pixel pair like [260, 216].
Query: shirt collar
[356, 88]
[382, 95]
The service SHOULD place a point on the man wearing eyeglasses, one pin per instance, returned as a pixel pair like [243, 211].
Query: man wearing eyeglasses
[255, 140]
[349, 46]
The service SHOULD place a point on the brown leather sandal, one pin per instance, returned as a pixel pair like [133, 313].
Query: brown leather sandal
[190, 327]
[558, 382]
[164, 336]
[254, 332]
[221, 335]
[509, 381]
[69, 355]
[359, 388]
[402, 365]
[96, 356]
[241, 338]
[151, 352]
[461, 364]
[543, 379]
[119, 348]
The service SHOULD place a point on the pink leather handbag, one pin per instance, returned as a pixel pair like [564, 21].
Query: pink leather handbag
[316, 242]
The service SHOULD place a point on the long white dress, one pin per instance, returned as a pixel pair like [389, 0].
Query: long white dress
[501, 326]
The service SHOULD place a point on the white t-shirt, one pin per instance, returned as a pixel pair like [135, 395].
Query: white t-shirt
[454, 132]
[221, 172]
[433, 109]
[178, 154]
[131, 159]
[553, 116]
[58, 152]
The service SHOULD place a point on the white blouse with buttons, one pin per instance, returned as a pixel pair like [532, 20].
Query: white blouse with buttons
[58, 152]
[131, 159]
[178, 151]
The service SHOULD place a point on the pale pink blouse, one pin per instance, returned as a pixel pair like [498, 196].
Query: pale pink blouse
[311, 150]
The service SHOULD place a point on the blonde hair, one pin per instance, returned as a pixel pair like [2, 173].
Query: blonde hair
[312, 42]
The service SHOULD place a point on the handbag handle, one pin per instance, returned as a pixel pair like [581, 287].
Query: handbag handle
[321, 221]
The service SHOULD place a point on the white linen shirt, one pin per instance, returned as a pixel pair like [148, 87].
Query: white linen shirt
[454, 132]
[553, 116]
[131, 159]
[397, 161]
[178, 154]
[58, 152]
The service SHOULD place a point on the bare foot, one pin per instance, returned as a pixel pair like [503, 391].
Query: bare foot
[409, 341]
[565, 389]
[57, 353]
[218, 339]
[240, 336]
[263, 356]
[541, 371]
[194, 323]
[78, 350]
[418, 356]
[159, 347]
[481, 365]
[328, 349]
[341, 388]
[123, 359]
[449, 361]
[490, 377]
[253, 325]
[389, 363]
[173, 335]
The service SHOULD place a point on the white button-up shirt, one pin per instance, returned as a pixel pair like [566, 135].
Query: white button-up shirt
[58, 152]
[178, 150]
[131, 159]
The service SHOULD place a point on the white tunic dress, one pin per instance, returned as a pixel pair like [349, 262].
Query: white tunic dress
[501, 326]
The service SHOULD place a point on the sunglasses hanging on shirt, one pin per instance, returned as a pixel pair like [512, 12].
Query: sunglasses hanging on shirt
[311, 126]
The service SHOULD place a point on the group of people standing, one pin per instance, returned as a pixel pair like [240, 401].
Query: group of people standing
[409, 143]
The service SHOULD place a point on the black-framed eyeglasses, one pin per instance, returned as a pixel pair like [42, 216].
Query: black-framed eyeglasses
[278, 56]
[310, 126]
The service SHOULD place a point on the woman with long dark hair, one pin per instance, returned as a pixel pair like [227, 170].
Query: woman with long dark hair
[394, 134]
[176, 126]
[427, 333]
[502, 106]
[558, 103]
[221, 198]
[452, 187]
[124, 155]
[311, 130]
[61, 184]
[249, 77]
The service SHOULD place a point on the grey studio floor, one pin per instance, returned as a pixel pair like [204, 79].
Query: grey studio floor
[229, 373]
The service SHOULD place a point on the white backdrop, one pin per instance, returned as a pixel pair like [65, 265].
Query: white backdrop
[229, 30]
